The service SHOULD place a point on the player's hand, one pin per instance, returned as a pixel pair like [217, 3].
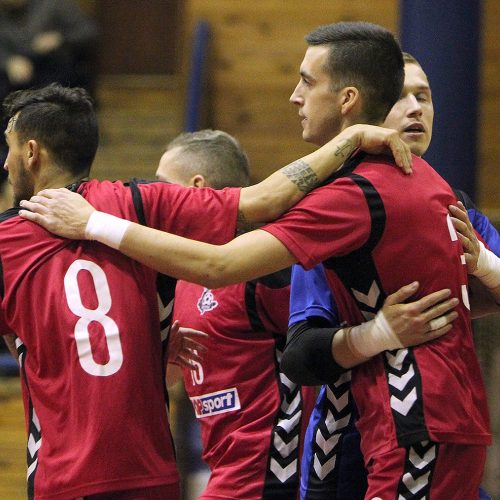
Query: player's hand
[60, 211]
[184, 346]
[380, 140]
[466, 234]
[425, 319]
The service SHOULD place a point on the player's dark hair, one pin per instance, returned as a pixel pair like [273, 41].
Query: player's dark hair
[62, 119]
[365, 56]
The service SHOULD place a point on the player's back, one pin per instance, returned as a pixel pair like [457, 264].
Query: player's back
[411, 238]
[246, 406]
[89, 340]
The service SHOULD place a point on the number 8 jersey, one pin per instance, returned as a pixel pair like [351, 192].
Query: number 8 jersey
[87, 322]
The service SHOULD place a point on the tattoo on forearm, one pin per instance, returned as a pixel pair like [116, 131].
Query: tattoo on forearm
[344, 149]
[302, 175]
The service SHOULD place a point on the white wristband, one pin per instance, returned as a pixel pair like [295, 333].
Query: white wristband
[106, 229]
[374, 336]
[488, 267]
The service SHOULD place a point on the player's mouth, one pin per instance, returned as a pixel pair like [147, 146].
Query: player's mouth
[415, 129]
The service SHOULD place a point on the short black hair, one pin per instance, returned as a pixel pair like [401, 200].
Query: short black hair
[62, 119]
[366, 56]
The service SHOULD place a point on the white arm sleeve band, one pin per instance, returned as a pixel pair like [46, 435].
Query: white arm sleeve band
[106, 229]
[374, 336]
[488, 268]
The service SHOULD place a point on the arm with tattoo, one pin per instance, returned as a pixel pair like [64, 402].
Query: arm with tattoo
[270, 198]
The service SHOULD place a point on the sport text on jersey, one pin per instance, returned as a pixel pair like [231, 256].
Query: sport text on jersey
[216, 403]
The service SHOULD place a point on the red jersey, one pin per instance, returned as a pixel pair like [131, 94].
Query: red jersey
[87, 321]
[250, 414]
[376, 230]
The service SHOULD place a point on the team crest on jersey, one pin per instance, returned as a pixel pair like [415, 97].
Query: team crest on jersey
[216, 402]
[207, 301]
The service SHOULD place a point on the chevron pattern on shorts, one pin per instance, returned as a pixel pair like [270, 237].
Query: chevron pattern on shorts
[283, 469]
[420, 461]
[336, 415]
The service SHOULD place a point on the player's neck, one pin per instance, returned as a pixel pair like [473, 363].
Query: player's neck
[59, 180]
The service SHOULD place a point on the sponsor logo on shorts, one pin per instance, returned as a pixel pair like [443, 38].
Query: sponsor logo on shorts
[216, 403]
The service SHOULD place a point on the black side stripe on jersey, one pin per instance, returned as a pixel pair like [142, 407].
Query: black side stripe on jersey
[165, 285]
[282, 473]
[358, 271]
[275, 280]
[34, 429]
[137, 200]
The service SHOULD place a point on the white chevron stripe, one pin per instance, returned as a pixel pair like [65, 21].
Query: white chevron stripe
[370, 299]
[343, 379]
[396, 361]
[404, 406]
[290, 407]
[33, 446]
[451, 228]
[326, 445]
[465, 296]
[341, 402]
[283, 473]
[165, 311]
[31, 468]
[285, 449]
[323, 470]
[35, 420]
[288, 424]
[335, 425]
[401, 382]
[420, 462]
[286, 381]
[415, 485]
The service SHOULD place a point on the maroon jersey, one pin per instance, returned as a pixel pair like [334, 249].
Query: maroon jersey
[87, 321]
[376, 230]
[250, 414]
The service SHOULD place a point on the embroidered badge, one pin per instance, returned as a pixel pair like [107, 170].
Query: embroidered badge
[207, 301]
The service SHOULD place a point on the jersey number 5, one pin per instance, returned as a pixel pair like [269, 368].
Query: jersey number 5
[82, 336]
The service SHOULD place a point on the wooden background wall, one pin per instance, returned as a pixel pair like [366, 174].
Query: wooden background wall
[256, 50]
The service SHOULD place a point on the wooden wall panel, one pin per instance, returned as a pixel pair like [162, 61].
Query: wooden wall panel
[489, 136]
[256, 52]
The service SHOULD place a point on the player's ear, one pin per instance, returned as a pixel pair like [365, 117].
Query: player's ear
[350, 99]
[32, 153]
[198, 181]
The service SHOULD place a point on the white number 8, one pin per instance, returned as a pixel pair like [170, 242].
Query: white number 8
[86, 315]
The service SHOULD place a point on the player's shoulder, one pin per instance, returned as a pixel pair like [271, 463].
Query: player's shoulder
[9, 214]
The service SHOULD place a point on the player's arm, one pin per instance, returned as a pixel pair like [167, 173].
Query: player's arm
[268, 199]
[10, 341]
[482, 264]
[66, 214]
[247, 257]
[314, 354]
